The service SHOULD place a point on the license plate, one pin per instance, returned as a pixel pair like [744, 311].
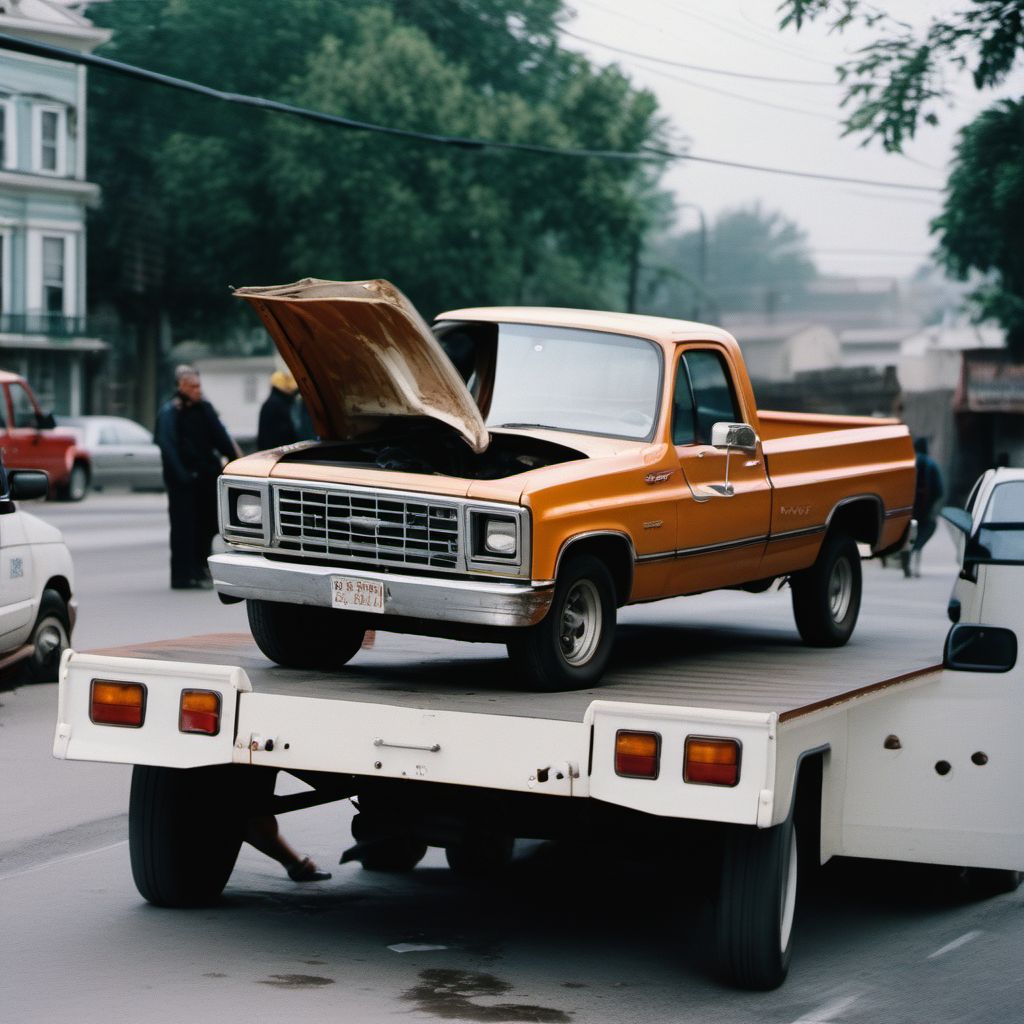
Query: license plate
[357, 595]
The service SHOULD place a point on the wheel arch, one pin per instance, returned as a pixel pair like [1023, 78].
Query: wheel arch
[61, 585]
[860, 516]
[615, 549]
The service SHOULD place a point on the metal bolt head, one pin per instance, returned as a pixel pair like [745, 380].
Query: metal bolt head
[378, 764]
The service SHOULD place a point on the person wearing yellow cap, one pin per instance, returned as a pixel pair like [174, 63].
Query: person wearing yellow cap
[276, 425]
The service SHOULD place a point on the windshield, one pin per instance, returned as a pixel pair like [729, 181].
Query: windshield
[1000, 538]
[582, 381]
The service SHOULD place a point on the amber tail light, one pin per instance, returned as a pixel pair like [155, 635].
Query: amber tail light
[113, 703]
[200, 712]
[637, 754]
[711, 761]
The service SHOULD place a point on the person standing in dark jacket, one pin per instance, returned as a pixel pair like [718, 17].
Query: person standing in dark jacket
[928, 492]
[277, 427]
[192, 442]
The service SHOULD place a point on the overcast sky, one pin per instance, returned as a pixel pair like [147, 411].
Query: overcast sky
[852, 229]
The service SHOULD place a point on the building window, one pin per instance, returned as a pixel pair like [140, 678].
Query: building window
[53, 276]
[49, 132]
[8, 133]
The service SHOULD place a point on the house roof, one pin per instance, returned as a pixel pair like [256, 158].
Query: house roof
[50, 22]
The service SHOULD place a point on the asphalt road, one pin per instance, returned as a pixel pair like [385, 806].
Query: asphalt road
[567, 936]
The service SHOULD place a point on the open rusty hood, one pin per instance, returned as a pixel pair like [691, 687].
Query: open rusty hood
[360, 353]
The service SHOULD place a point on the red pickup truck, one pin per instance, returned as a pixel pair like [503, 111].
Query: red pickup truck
[29, 439]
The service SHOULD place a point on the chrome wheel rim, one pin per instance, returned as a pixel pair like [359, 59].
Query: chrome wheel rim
[840, 589]
[787, 899]
[50, 641]
[579, 630]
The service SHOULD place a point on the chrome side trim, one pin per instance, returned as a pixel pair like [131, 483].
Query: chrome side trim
[589, 535]
[807, 531]
[705, 549]
[891, 513]
[237, 574]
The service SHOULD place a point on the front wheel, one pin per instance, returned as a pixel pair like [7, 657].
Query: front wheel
[78, 483]
[570, 647]
[300, 636]
[50, 638]
[756, 906]
[826, 597]
[185, 828]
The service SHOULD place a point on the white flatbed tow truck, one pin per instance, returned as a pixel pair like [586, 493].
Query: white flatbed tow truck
[759, 756]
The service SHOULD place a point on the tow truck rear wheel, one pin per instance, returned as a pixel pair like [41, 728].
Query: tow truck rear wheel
[185, 828]
[826, 597]
[570, 647]
[300, 636]
[756, 906]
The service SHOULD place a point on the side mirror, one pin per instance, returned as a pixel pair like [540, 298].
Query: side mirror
[27, 484]
[959, 517]
[734, 435]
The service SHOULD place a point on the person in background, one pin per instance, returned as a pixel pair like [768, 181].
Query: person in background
[928, 493]
[193, 444]
[276, 426]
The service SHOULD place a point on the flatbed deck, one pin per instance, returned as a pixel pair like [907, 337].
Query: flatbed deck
[676, 653]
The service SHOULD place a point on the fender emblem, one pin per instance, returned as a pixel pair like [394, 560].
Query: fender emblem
[658, 477]
[794, 510]
[653, 524]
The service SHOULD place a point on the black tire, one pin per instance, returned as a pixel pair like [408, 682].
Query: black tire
[570, 647]
[480, 855]
[756, 905]
[50, 638]
[983, 883]
[77, 486]
[826, 597]
[396, 855]
[185, 828]
[300, 636]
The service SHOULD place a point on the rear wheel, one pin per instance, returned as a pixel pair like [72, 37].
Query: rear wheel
[570, 647]
[300, 636]
[185, 828]
[50, 638]
[826, 597]
[756, 905]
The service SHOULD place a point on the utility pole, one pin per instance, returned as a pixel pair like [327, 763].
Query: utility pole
[634, 272]
[702, 257]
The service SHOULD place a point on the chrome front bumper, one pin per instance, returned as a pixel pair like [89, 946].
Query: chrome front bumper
[238, 574]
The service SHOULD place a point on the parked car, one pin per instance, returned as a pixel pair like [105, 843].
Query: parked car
[30, 439]
[990, 531]
[37, 607]
[121, 452]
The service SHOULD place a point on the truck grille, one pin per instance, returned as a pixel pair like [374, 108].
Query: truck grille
[387, 531]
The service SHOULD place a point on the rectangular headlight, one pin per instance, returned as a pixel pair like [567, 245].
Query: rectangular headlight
[500, 536]
[249, 509]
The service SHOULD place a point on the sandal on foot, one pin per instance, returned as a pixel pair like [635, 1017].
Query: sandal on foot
[306, 871]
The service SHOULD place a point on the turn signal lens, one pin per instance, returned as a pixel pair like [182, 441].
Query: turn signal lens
[713, 762]
[200, 712]
[113, 703]
[637, 754]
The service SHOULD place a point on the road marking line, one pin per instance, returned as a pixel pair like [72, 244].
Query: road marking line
[825, 1014]
[955, 944]
[62, 860]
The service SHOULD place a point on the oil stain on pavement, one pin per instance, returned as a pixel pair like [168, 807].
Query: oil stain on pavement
[296, 981]
[453, 994]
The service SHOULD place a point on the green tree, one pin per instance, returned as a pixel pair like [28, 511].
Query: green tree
[199, 195]
[751, 259]
[898, 81]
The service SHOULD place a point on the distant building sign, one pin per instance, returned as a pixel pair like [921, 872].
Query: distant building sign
[991, 383]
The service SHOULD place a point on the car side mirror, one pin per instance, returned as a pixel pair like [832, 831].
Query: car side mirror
[734, 435]
[45, 421]
[959, 517]
[27, 484]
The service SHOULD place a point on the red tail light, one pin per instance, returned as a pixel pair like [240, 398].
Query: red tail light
[200, 712]
[713, 762]
[113, 703]
[637, 754]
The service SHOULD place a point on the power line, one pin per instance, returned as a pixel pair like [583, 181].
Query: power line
[650, 154]
[698, 67]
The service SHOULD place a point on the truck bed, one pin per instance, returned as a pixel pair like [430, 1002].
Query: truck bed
[675, 653]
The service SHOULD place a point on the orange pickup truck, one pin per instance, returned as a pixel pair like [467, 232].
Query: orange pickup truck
[518, 474]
